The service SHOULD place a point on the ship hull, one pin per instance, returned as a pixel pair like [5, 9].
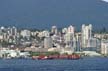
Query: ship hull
[56, 57]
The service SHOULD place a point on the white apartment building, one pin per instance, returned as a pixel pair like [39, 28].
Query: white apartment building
[54, 30]
[25, 33]
[47, 42]
[86, 35]
[104, 48]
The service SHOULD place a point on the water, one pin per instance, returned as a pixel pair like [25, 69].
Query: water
[86, 64]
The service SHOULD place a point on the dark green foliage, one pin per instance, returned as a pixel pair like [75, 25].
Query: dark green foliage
[43, 53]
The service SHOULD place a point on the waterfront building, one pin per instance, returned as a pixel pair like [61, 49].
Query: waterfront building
[86, 35]
[93, 42]
[10, 53]
[88, 42]
[5, 37]
[2, 29]
[78, 41]
[1, 37]
[46, 33]
[13, 31]
[69, 38]
[56, 40]
[54, 30]
[64, 30]
[40, 34]
[71, 29]
[104, 47]
[47, 42]
[25, 33]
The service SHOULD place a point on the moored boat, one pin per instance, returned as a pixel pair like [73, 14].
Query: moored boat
[70, 57]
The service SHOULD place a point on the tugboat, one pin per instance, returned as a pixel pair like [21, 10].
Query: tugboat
[52, 57]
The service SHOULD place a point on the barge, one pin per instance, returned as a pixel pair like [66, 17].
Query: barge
[51, 57]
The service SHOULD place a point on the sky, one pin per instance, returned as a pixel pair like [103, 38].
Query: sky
[42, 14]
[105, 0]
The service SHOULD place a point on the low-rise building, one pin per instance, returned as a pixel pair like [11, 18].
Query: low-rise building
[104, 47]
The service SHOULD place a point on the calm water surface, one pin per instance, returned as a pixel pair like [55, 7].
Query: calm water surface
[85, 64]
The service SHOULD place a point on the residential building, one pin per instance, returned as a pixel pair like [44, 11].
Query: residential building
[47, 42]
[104, 47]
[86, 35]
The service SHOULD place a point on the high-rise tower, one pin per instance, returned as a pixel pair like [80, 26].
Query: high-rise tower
[86, 35]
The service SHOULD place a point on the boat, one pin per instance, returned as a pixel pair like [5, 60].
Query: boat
[52, 57]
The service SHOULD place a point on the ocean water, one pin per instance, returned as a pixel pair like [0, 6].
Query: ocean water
[85, 64]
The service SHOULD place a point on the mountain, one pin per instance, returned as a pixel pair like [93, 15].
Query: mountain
[42, 14]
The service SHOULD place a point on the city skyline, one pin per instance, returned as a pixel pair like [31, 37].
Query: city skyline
[53, 35]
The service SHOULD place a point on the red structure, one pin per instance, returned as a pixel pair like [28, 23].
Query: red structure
[43, 57]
